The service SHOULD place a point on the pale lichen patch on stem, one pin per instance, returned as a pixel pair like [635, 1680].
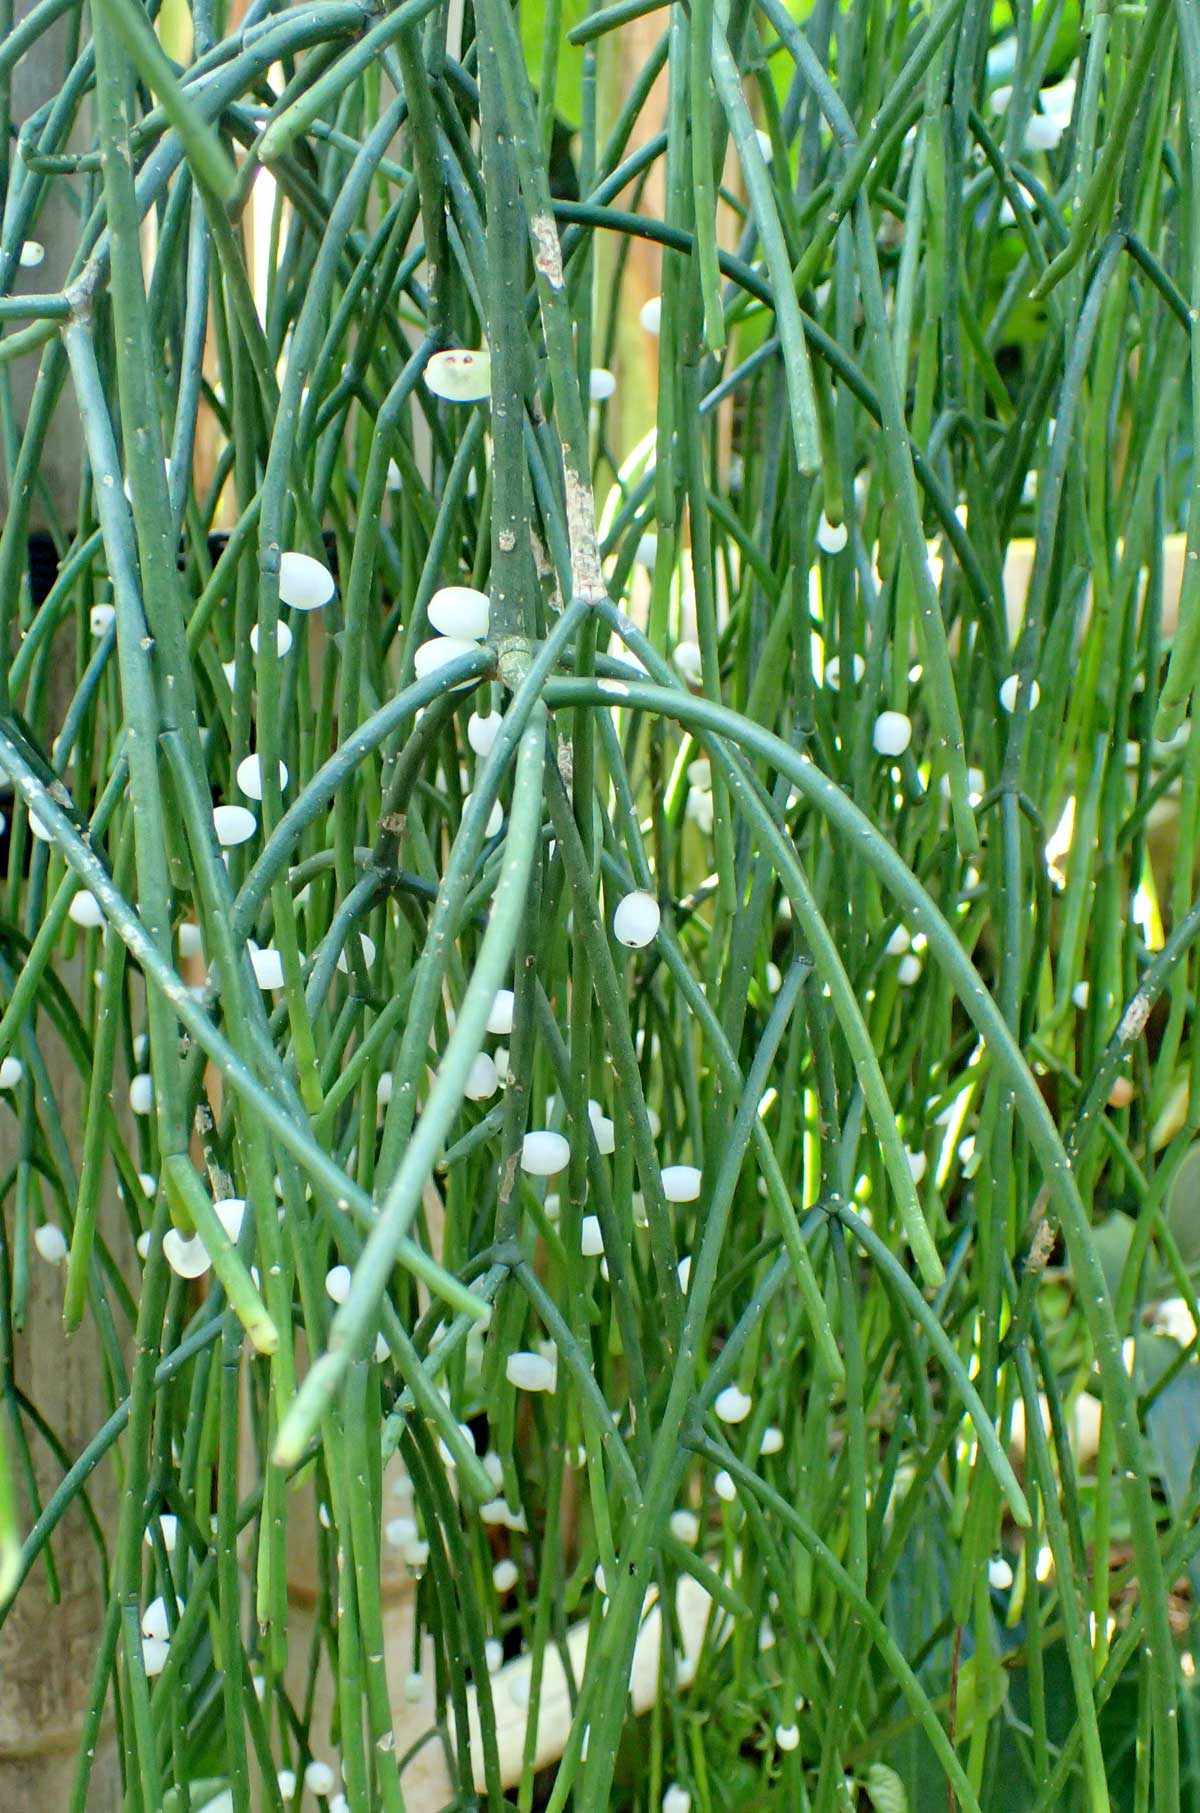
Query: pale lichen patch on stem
[587, 579]
[547, 253]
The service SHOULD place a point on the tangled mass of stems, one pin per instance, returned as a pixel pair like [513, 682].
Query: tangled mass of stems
[602, 816]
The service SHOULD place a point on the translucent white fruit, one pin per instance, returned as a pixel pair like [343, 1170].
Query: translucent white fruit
[230, 1212]
[636, 920]
[86, 910]
[141, 1092]
[1043, 131]
[543, 1153]
[686, 656]
[1008, 693]
[233, 825]
[186, 1258]
[368, 951]
[833, 671]
[438, 652]
[504, 1576]
[918, 1164]
[601, 384]
[460, 375]
[319, 1778]
[732, 1405]
[676, 1799]
[681, 1183]
[700, 809]
[774, 978]
[787, 1736]
[493, 1654]
[169, 1527]
[50, 1242]
[250, 776]
[591, 1240]
[831, 536]
[685, 1526]
[908, 970]
[191, 944]
[683, 1272]
[31, 254]
[304, 583]
[11, 1072]
[39, 830]
[482, 1081]
[650, 315]
[603, 1129]
[500, 1018]
[100, 619]
[267, 965]
[892, 733]
[898, 942]
[400, 1531]
[495, 821]
[143, 1245]
[647, 551]
[530, 1371]
[1079, 994]
[395, 480]
[155, 1651]
[459, 610]
[383, 1088]
[724, 1487]
[1000, 1574]
[286, 1782]
[337, 1283]
[482, 732]
[283, 639]
[772, 1440]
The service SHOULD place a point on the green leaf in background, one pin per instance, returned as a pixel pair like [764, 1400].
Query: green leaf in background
[1183, 1210]
[568, 92]
[885, 1790]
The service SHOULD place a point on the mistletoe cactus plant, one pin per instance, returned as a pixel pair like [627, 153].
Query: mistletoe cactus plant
[597, 970]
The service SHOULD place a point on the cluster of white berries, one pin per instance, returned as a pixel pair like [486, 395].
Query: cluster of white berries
[461, 616]
[700, 808]
[188, 1257]
[156, 1635]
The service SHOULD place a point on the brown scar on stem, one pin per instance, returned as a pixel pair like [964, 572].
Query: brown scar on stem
[508, 1176]
[1040, 1247]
